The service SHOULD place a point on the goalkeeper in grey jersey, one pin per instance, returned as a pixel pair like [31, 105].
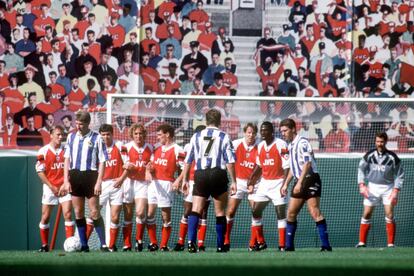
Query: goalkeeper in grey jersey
[383, 171]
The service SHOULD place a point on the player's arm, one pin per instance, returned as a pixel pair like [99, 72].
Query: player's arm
[306, 168]
[288, 178]
[98, 184]
[362, 169]
[121, 179]
[254, 177]
[232, 172]
[149, 171]
[399, 179]
[66, 188]
[178, 181]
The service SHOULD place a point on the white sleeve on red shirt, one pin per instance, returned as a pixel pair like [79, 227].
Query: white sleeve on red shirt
[282, 147]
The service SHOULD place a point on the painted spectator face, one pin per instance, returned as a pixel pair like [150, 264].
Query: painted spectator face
[148, 33]
[1, 67]
[228, 107]
[152, 16]
[49, 60]
[270, 90]
[133, 38]
[75, 35]
[267, 33]
[50, 121]
[66, 9]
[145, 60]
[171, 30]
[106, 82]
[200, 5]
[170, 52]
[215, 59]
[194, 26]
[62, 71]
[191, 73]
[45, 10]
[19, 20]
[75, 83]
[322, 33]
[91, 37]
[52, 78]
[172, 70]
[10, 49]
[386, 40]
[228, 63]
[128, 54]
[394, 53]
[26, 34]
[66, 123]
[128, 67]
[305, 82]
[65, 101]
[309, 30]
[30, 124]
[32, 101]
[161, 86]
[29, 74]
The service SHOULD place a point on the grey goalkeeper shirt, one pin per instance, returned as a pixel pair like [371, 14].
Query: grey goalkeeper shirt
[382, 168]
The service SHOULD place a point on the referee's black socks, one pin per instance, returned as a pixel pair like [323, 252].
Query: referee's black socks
[193, 220]
[221, 225]
[81, 225]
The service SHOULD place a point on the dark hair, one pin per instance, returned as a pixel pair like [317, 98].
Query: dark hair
[213, 117]
[106, 128]
[69, 117]
[252, 125]
[382, 135]
[166, 128]
[269, 125]
[289, 123]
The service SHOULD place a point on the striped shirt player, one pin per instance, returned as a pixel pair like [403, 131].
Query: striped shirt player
[246, 154]
[213, 152]
[49, 167]
[85, 156]
[135, 188]
[383, 171]
[307, 187]
[167, 159]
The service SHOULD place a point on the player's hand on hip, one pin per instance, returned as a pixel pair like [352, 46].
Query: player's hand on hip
[65, 189]
[394, 196]
[363, 190]
[233, 188]
[55, 190]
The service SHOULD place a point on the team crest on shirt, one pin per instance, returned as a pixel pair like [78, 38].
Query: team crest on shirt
[57, 158]
[140, 157]
[247, 154]
[267, 155]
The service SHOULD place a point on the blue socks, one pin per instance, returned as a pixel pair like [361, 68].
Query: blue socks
[193, 219]
[221, 225]
[81, 225]
[100, 230]
[323, 233]
[290, 234]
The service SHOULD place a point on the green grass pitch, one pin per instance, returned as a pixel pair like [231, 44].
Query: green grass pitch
[309, 261]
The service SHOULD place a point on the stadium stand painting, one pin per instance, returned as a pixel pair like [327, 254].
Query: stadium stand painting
[128, 84]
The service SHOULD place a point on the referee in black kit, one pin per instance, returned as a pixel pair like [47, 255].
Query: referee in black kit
[213, 152]
[85, 156]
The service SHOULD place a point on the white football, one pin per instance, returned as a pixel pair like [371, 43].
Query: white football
[72, 244]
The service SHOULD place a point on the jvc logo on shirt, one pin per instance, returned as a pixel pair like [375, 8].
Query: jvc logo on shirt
[111, 163]
[247, 164]
[162, 162]
[379, 168]
[268, 162]
[139, 164]
[57, 166]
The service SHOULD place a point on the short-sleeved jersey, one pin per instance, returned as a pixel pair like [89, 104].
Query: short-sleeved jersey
[85, 152]
[51, 162]
[116, 158]
[300, 151]
[139, 157]
[245, 158]
[273, 159]
[166, 160]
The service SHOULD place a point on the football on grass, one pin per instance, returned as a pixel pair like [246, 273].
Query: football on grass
[72, 244]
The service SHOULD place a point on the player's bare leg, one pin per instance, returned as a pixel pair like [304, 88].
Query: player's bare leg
[220, 203]
[281, 225]
[152, 227]
[294, 207]
[232, 207]
[44, 227]
[365, 225]
[202, 229]
[183, 226]
[390, 224]
[257, 225]
[141, 208]
[127, 227]
[166, 228]
[67, 216]
[114, 228]
[193, 221]
[98, 223]
[315, 212]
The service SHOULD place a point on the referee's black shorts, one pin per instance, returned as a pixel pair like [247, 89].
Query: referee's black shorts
[311, 187]
[83, 183]
[210, 182]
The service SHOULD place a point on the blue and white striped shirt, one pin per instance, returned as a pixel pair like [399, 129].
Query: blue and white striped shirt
[300, 152]
[85, 152]
[210, 148]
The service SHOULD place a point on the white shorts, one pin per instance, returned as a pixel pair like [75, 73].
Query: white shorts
[134, 189]
[378, 193]
[160, 193]
[109, 193]
[270, 190]
[189, 197]
[48, 198]
[242, 190]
